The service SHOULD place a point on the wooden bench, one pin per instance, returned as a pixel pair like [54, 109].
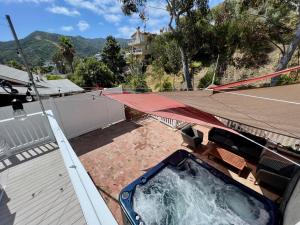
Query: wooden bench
[228, 157]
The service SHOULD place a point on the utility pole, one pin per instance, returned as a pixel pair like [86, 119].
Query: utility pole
[20, 52]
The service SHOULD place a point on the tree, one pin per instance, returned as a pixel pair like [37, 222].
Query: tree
[67, 51]
[282, 16]
[112, 57]
[58, 60]
[293, 5]
[165, 50]
[183, 14]
[91, 72]
[14, 64]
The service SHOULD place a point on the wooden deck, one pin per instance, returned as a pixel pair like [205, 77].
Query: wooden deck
[38, 190]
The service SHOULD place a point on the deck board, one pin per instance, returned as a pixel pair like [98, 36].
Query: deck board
[38, 190]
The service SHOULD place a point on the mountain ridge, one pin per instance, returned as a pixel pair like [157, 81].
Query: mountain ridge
[40, 46]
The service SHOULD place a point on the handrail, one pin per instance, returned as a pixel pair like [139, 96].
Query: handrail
[283, 139]
[92, 204]
[19, 135]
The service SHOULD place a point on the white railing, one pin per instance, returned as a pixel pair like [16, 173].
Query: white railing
[274, 137]
[137, 41]
[76, 114]
[92, 204]
[169, 122]
[19, 135]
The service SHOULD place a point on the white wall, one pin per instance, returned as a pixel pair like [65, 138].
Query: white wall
[78, 114]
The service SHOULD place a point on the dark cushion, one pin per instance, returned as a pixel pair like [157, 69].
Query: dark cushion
[238, 144]
[276, 166]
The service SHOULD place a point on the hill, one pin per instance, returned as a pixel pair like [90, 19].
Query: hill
[40, 46]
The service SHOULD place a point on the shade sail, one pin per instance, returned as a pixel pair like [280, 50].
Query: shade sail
[255, 79]
[165, 107]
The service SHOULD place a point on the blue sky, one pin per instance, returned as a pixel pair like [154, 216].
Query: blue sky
[87, 18]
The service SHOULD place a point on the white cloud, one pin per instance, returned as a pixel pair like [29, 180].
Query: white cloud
[89, 5]
[83, 25]
[125, 31]
[106, 8]
[67, 28]
[112, 18]
[63, 11]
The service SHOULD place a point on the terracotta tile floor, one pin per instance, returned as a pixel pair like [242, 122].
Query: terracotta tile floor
[117, 155]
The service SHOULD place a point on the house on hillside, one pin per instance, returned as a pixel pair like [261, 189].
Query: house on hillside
[139, 44]
[47, 88]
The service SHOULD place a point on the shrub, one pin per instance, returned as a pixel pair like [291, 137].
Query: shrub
[54, 77]
[206, 80]
[286, 79]
[137, 83]
[166, 85]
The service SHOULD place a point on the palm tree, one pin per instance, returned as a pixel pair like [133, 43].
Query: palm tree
[67, 50]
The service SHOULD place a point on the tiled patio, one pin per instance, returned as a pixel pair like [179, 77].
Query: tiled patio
[117, 155]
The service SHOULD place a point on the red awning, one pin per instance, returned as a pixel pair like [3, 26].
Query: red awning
[165, 107]
[255, 79]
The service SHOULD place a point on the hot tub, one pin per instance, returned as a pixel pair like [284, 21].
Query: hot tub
[183, 190]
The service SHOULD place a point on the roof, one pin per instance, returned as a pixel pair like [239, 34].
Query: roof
[18, 76]
[141, 32]
[45, 87]
[38, 190]
[276, 116]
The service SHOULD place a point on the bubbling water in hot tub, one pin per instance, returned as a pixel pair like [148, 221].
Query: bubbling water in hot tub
[191, 195]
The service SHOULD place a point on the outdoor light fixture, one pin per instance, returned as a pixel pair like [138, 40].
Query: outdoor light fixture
[19, 112]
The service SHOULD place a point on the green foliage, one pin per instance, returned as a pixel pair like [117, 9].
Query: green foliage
[196, 64]
[91, 72]
[165, 51]
[166, 85]
[41, 69]
[273, 22]
[162, 82]
[112, 57]
[58, 60]
[188, 20]
[137, 83]
[77, 79]
[287, 79]
[135, 66]
[14, 64]
[207, 79]
[67, 50]
[54, 77]
[41, 46]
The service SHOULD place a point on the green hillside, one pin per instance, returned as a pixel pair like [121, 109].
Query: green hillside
[40, 46]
